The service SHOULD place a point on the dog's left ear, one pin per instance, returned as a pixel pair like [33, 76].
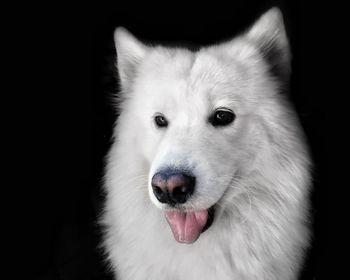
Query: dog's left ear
[269, 34]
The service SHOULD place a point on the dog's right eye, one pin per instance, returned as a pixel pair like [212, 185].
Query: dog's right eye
[160, 121]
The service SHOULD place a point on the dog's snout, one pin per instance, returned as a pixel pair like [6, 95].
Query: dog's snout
[173, 188]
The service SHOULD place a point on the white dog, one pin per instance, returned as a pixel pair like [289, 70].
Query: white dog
[208, 176]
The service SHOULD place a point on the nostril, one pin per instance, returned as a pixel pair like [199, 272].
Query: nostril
[160, 194]
[179, 191]
[183, 189]
[180, 194]
[158, 191]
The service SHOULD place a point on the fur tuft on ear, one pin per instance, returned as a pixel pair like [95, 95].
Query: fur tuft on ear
[130, 52]
[269, 34]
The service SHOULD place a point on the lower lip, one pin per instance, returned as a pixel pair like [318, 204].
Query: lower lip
[211, 214]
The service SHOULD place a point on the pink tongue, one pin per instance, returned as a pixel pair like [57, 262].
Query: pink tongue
[186, 226]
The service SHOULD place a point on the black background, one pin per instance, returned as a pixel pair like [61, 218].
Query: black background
[67, 81]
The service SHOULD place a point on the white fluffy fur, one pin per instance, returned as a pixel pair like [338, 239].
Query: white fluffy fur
[256, 170]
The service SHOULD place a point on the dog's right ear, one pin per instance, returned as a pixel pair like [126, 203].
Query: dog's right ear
[130, 52]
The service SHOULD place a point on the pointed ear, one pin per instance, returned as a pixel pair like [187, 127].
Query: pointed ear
[269, 34]
[130, 52]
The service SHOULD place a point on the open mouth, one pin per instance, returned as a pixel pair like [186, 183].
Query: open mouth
[188, 225]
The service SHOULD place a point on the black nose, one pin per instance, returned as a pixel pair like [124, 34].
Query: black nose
[173, 188]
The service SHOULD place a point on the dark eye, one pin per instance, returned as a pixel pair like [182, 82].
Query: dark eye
[222, 117]
[160, 121]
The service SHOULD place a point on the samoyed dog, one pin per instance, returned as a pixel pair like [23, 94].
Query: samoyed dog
[208, 176]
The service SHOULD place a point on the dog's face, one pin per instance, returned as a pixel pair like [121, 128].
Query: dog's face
[198, 114]
[192, 114]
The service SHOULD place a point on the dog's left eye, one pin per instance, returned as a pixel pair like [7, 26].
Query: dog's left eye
[222, 117]
[160, 120]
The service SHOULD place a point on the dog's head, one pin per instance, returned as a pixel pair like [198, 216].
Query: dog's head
[198, 115]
